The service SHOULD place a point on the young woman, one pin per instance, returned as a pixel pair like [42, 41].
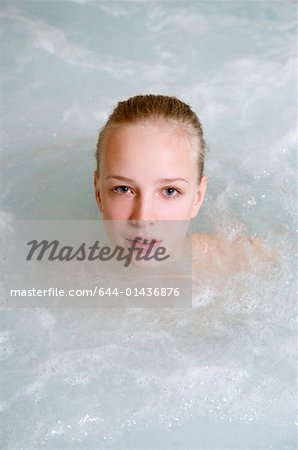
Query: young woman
[150, 181]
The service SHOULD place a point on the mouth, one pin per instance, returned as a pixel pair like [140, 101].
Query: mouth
[144, 242]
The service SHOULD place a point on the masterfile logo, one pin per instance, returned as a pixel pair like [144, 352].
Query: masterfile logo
[140, 249]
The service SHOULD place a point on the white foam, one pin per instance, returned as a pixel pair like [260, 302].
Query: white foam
[222, 373]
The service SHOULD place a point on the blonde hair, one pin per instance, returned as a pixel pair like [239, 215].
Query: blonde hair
[155, 108]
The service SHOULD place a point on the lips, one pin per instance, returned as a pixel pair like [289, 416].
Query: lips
[144, 242]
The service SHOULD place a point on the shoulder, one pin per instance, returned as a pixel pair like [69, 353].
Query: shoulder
[239, 253]
[209, 244]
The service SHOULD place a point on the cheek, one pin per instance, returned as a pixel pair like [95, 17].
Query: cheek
[116, 231]
[180, 207]
[114, 208]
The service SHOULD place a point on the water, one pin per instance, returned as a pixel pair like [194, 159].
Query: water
[223, 374]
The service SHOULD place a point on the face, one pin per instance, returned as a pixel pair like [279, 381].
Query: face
[148, 180]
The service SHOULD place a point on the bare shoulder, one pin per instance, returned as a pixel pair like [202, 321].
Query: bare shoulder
[214, 251]
[260, 250]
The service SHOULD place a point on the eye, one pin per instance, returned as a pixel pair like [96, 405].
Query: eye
[122, 189]
[171, 192]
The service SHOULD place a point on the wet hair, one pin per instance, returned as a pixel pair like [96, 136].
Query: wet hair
[150, 108]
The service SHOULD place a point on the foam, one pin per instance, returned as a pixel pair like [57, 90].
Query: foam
[223, 373]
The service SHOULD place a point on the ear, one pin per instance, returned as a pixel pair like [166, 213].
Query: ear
[199, 198]
[97, 190]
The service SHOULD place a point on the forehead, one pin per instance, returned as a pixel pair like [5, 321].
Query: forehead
[149, 151]
[148, 138]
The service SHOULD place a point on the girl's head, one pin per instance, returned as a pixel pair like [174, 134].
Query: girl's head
[155, 109]
[150, 162]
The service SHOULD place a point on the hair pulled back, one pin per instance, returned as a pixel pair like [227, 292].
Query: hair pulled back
[155, 108]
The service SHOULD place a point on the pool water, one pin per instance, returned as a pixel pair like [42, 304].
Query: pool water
[220, 375]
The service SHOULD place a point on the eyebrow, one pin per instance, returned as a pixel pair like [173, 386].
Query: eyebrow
[163, 180]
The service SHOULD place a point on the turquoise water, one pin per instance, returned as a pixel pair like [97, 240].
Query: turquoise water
[223, 374]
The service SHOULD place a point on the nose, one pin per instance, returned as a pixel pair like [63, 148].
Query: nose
[143, 209]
